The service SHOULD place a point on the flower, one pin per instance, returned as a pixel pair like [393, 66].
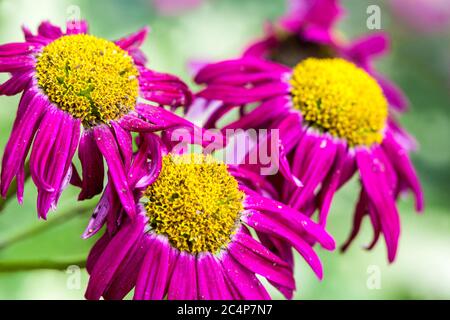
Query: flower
[308, 30]
[191, 238]
[333, 121]
[81, 92]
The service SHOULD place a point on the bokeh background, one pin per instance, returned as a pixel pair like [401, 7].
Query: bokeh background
[216, 29]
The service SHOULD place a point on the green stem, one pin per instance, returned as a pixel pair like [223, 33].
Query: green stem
[42, 227]
[14, 266]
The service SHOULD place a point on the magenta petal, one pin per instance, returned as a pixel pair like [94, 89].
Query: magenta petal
[127, 273]
[97, 251]
[16, 64]
[281, 248]
[108, 205]
[258, 259]
[255, 180]
[50, 31]
[38, 40]
[134, 123]
[245, 65]
[107, 145]
[183, 285]
[164, 89]
[124, 142]
[92, 166]
[210, 279]
[55, 174]
[331, 184]
[399, 158]
[363, 49]
[272, 227]
[77, 27]
[360, 212]
[319, 14]
[373, 176]
[17, 48]
[154, 274]
[134, 40]
[291, 130]
[16, 84]
[318, 163]
[291, 218]
[236, 95]
[111, 258]
[245, 282]
[53, 125]
[267, 111]
[143, 173]
[167, 120]
[20, 140]
[393, 94]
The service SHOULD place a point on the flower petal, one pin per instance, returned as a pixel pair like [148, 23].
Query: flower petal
[107, 145]
[244, 282]
[155, 270]
[183, 284]
[92, 166]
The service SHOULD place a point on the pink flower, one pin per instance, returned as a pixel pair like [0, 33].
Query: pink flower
[191, 236]
[308, 30]
[334, 122]
[80, 92]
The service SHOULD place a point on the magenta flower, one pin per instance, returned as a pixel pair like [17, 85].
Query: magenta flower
[80, 91]
[190, 238]
[308, 30]
[333, 121]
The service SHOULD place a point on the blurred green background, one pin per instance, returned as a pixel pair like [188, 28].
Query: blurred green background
[217, 29]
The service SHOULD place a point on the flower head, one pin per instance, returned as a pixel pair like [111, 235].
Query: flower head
[201, 190]
[87, 93]
[191, 239]
[91, 78]
[333, 121]
[335, 96]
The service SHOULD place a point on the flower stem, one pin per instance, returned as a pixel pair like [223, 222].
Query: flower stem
[14, 266]
[42, 227]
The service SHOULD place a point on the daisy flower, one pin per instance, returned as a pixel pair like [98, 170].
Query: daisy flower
[81, 92]
[191, 236]
[308, 30]
[333, 121]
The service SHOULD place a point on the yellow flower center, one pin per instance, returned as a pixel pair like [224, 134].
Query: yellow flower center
[91, 78]
[336, 96]
[195, 202]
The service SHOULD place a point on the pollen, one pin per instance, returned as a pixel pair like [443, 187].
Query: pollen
[91, 78]
[335, 96]
[195, 202]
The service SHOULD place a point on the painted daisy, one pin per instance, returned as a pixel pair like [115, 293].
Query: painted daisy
[333, 121]
[308, 29]
[81, 92]
[191, 236]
